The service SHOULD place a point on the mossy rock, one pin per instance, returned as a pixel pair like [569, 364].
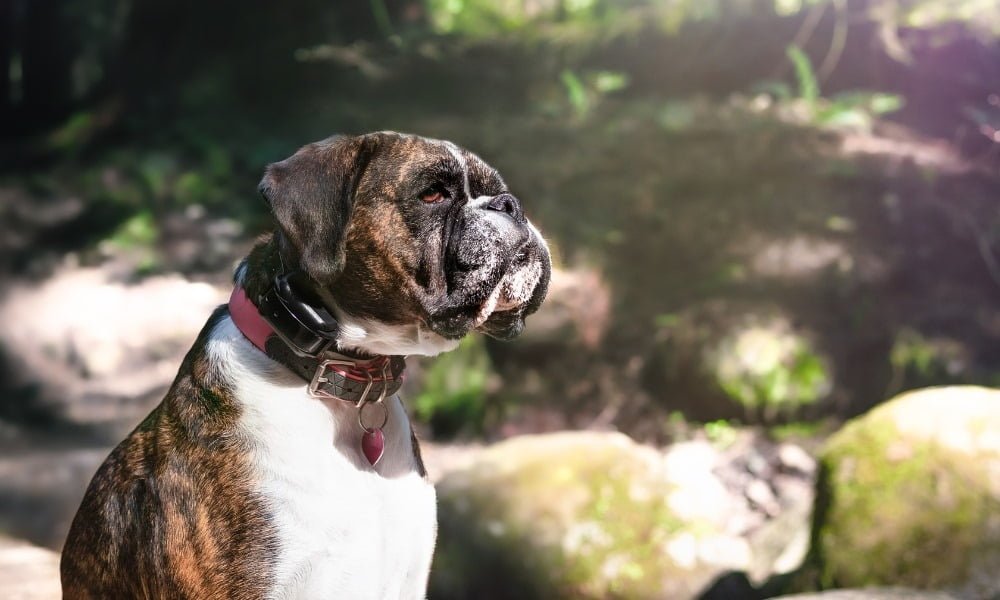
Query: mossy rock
[569, 515]
[909, 494]
[873, 594]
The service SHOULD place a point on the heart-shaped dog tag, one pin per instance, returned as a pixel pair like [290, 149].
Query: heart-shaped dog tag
[372, 444]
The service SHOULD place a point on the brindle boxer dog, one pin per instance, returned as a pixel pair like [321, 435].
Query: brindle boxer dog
[281, 464]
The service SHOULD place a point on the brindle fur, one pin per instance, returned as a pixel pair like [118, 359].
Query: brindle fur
[171, 513]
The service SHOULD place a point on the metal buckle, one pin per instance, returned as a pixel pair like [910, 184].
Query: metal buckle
[320, 377]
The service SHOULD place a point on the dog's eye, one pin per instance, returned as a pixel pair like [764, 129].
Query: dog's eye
[432, 196]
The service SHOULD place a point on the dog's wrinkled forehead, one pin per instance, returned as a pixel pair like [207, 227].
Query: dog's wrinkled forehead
[401, 162]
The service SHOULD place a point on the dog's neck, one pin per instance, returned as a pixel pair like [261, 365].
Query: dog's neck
[259, 275]
[266, 335]
[364, 336]
[280, 334]
[257, 271]
[274, 324]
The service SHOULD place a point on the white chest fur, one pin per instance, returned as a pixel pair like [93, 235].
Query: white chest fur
[346, 529]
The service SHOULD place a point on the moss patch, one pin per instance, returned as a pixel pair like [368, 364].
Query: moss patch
[562, 516]
[904, 509]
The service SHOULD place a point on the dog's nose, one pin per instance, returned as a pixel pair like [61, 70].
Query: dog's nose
[507, 203]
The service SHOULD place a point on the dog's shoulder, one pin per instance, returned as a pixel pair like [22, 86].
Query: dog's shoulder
[173, 507]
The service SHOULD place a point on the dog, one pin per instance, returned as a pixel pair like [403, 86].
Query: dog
[280, 463]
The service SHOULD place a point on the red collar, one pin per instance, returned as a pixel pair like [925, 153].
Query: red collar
[248, 320]
[361, 381]
[330, 374]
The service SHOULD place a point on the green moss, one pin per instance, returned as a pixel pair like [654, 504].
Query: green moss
[73, 133]
[582, 522]
[721, 432]
[799, 430]
[899, 511]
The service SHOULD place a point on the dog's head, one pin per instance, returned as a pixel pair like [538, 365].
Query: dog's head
[411, 242]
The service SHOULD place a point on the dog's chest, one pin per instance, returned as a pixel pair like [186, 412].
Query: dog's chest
[345, 530]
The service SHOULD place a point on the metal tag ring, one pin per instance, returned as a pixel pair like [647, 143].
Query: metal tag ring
[385, 382]
[364, 395]
[361, 416]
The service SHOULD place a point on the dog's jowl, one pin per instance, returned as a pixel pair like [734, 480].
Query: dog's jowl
[281, 463]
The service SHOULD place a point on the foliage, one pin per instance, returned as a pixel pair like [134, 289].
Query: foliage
[981, 14]
[138, 231]
[583, 94]
[453, 394]
[856, 110]
[770, 372]
[804, 74]
[918, 361]
[721, 432]
[798, 431]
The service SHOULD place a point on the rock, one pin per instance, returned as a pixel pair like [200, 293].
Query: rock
[760, 495]
[570, 515]
[576, 311]
[28, 572]
[795, 460]
[87, 319]
[772, 503]
[595, 515]
[102, 347]
[910, 494]
[695, 493]
[873, 594]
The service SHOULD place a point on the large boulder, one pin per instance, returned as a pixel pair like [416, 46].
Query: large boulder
[910, 495]
[595, 515]
[873, 594]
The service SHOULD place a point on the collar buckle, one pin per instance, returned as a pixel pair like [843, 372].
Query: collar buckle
[346, 380]
[331, 386]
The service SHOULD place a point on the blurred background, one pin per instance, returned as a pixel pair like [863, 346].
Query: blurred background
[772, 221]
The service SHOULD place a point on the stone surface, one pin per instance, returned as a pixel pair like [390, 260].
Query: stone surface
[100, 347]
[873, 594]
[595, 515]
[576, 311]
[28, 572]
[911, 495]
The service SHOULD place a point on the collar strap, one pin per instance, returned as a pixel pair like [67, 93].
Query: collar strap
[280, 330]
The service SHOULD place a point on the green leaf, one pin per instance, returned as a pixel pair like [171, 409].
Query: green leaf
[804, 74]
[575, 92]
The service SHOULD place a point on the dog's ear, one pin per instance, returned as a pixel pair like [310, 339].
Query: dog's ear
[311, 195]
